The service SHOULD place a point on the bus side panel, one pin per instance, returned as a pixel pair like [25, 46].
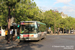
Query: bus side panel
[40, 35]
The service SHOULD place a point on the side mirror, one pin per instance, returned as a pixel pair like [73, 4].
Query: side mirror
[18, 26]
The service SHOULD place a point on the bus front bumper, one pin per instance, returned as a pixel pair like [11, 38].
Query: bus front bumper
[29, 39]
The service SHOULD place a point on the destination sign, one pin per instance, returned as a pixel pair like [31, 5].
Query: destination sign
[26, 23]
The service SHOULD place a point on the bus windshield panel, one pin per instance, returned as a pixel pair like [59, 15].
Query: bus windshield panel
[27, 27]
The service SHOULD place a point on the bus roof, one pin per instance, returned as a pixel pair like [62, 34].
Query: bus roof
[28, 21]
[41, 23]
[35, 21]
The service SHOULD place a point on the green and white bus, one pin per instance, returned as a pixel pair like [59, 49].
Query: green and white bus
[32, 30]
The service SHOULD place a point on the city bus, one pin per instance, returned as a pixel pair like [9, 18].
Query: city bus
[32, 30]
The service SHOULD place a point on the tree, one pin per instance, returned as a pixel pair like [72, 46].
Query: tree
[50, 18]
[9, 4]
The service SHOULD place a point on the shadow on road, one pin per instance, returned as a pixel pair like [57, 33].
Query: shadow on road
[27, 45]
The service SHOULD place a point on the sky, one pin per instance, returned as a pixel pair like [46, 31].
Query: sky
[65, 6]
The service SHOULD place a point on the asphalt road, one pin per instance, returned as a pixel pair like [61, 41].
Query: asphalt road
[52, 42]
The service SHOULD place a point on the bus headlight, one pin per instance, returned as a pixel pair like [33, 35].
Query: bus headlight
[35, 35]
[21, 36]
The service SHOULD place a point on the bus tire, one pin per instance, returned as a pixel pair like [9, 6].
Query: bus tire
[39, 39]
[44, 36]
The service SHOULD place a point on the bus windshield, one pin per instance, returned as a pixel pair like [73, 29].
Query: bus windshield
[28, 28]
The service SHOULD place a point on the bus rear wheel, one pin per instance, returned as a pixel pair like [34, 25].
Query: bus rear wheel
[44, 36]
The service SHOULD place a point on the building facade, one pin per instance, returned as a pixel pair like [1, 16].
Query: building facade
[64, 15]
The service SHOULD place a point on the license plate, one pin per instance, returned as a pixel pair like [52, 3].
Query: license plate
[28, 39]
[25, 35]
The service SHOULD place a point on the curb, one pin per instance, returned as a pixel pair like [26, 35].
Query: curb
[60, 34]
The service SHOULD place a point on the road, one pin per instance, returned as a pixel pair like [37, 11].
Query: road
[52, 42]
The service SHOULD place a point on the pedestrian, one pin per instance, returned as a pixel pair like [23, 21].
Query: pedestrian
[6, 34]
[18, 35]
[11, 34]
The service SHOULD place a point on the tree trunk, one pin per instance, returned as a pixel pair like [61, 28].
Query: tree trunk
[8, 24]
[54, 29]
[63, 31]
[69, 31]
[73, 31]
[58, 31]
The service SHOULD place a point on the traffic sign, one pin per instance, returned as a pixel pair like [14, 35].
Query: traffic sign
[49, 28]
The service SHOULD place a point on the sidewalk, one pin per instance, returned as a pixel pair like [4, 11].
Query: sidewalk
[4, 46]
[60, 34]
[2, 37]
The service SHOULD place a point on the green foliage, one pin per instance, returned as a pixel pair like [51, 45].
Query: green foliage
[11, 3]
[4, 4]
[27, 10]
